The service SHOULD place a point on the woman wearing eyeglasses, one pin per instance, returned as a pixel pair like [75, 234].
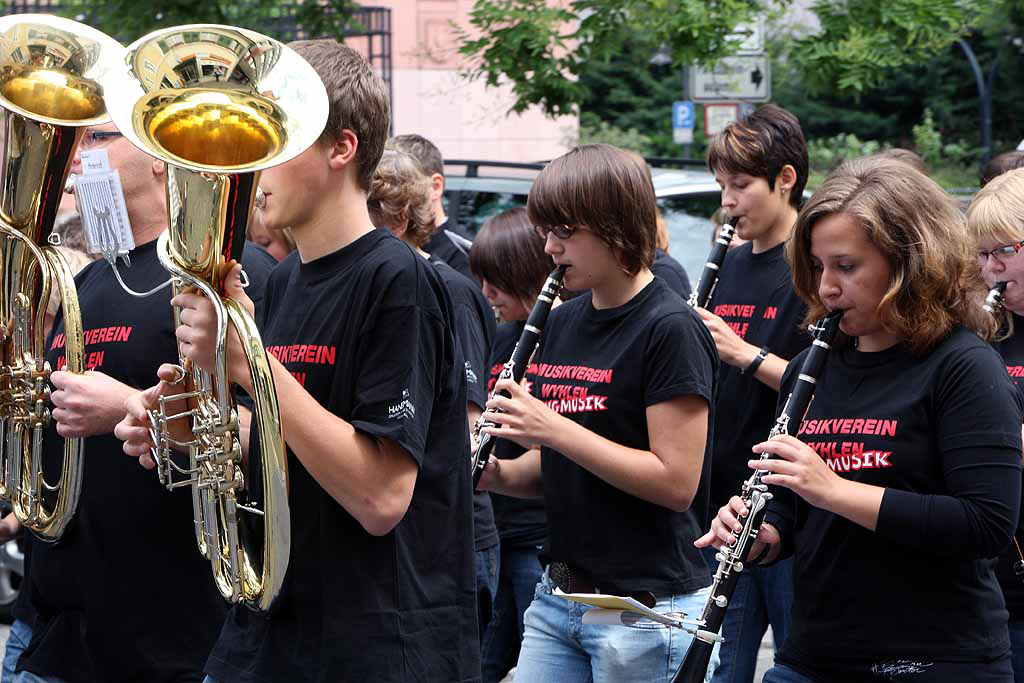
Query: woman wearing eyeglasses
[994, 221]
[621, 407]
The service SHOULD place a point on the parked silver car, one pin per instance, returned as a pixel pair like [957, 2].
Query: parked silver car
[687, 195]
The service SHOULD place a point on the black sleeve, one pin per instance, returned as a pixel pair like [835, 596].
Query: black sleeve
[471, 332]
[978, 417]
[257, 264]
[400, 351]
[681, 360]
[793, 337]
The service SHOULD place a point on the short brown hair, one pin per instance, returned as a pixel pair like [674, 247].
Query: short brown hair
[608, 190]
[906, 156]
[400, 195]
[425, 152]
[760, 145]
[509, 254]
[1007, 161]
[358, 100]
[934, 284]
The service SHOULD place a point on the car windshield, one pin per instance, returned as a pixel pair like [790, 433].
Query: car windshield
[688, 218]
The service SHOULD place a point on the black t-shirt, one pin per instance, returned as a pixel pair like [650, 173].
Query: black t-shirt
[941, 433]
[755, 297]
[602, 369]
[443, 246]
[1012, 351]
[521, 521]
[124, 595]
[672, 272]
[474, 330]
[367, 330]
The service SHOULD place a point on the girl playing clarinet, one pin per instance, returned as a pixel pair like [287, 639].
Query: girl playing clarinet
[905, 475]
[994, 221]
[622, 410]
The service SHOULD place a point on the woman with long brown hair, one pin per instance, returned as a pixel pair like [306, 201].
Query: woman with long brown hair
[905, 474]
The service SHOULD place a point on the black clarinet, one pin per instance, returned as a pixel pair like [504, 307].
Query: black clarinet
[994, 301]
[755, 497]
[516, 366]
[701, 294]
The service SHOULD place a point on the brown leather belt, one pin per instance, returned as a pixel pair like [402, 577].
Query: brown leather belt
[573, 580]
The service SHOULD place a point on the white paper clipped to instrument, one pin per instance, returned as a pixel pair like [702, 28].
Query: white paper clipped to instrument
[611, 608]
[614, 610]
[101, 205]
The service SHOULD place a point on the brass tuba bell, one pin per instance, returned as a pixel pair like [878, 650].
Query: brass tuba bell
[50, 74]
[218, 104]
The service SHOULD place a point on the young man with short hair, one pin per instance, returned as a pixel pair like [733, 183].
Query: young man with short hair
[380, 583]
[446, 243]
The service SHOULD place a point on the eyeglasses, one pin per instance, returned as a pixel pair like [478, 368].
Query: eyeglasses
[562, 232]
[1002, 253]
[94, 138]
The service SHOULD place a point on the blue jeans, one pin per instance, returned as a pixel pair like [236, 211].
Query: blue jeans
[29, 677]
[763, 596]
[17, 641]
[783, 674]
[520, 572]
[1017, 650]
[488, 562]
[559, 648]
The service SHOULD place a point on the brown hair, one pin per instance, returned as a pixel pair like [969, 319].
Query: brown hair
[509, 254]
[425, 152]
[358, 100]
[400, 195]
[606, 189]
[760, 145]
[1007, 161]
[934, 284]
[906, 156]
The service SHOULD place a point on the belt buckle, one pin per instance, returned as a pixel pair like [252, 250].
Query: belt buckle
[561, 576]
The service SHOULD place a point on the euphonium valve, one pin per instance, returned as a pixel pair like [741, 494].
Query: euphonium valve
[51, 71]
[218, 104]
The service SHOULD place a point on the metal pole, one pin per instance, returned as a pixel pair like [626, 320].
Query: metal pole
[985, 96]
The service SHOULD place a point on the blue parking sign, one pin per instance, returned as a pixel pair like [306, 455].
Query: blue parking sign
[682, 114]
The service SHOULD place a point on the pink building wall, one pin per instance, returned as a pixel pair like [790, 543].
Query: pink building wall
[465, 120]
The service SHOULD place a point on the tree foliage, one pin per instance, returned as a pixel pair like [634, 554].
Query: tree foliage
[542, 49]
[861, 40]
[547, 51]
[130, 19]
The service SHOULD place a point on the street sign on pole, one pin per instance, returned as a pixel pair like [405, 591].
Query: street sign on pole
[682, 122]
[742, 78]
[718, 115]
[752, 35]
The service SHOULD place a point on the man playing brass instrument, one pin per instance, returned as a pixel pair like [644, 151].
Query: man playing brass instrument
[124, 596]
[380, 582]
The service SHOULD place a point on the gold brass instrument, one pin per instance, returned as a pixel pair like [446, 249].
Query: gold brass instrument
[50, 74]
[218, 104]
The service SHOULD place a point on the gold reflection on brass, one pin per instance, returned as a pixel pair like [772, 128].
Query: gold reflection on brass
[50, 70]
[215, 128]
[49, 93]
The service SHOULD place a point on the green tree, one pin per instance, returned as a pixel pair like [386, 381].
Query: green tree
[130, 19]
[547, 52]
[544, 50]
